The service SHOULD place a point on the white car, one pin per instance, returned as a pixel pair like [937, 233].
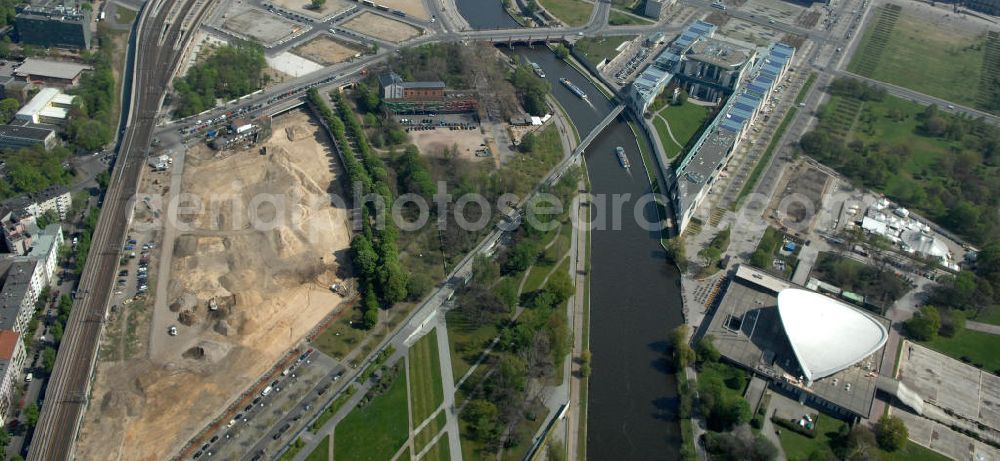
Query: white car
[172, 330]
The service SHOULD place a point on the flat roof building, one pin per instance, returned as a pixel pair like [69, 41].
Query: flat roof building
[821, 351]
[12, 357]
[48, 72]
[15, 137]
[48, 106]
[19, 293]
[712, 151]
[56, 26]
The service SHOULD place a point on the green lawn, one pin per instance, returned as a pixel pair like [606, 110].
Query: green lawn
[685, 120]
[799, 447]
[552, 255]
[426, 392]
[322, 451]
[375, 432]
[980, 348]
[913, 452]
[876, 125]
[124, 15]
[946, 63]
[467, 341]
[340, 338]
[441, 451]
[573, 12]
[331, 410]
[990, 315]
[429, 431]
[597, 49]
[618, 18]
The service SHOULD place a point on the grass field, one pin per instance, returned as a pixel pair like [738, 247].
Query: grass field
[618, 18]
[467, 341]
[980, 348]
[441, 451]
[376, 431]
[322, 451]
[340, 338]
[429, 431]
[597, 49]
[685, 120]
[925, 152]
[573, 12]
[560, 245]
[331, 410]
[124, 15]
[799, 447]
[426, 393]
[904, 50]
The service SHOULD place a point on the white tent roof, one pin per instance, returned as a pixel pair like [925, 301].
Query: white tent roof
[827, 335]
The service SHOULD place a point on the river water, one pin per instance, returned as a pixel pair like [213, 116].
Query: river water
[635, 291]
[485, 14]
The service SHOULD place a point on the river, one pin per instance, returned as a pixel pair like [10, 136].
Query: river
[485, 14]
[635, 295]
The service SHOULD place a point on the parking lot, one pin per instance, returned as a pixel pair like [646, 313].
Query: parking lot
[275, 414]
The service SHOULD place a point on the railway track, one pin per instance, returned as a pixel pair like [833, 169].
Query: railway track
[69, 387]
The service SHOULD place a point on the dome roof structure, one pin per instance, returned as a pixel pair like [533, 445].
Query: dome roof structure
[827, 335]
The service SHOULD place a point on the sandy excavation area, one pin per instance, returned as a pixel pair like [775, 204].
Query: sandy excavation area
[270, 285]
[378, 26]
[328, 51]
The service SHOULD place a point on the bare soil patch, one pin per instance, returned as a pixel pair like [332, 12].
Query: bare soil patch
[378, 26]
[270, 283]
[328, 51]
[436, 142]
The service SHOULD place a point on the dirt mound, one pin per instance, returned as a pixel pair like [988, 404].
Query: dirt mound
[293, 133]
[196, 353]
[222, 327]
[185, 245]
[187, 318]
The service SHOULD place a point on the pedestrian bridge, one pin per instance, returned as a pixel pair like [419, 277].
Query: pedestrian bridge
[578, 152]
[585, 142]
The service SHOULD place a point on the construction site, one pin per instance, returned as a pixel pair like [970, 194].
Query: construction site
[238, 282]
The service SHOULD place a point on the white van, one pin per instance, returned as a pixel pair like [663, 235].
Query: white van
[267, 391]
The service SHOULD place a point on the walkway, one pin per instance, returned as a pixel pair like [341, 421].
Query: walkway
[983, 327]
[448, 383]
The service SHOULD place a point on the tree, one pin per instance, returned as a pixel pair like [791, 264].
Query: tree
[705, 349]
[49, 359]
[8, 107]
[680, 352]
[924, 324]
[524, 254]
[370, 319]
[560, 286]
[418, 285]
[506, 292]
[317, 4]
[561, 51]
[527, 144]
[891, 433]
[364, 256]
[31, 414]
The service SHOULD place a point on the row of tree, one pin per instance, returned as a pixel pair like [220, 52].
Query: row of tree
[375, 253]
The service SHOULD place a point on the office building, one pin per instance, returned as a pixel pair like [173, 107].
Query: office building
[20, 291]
[14, 137]
[53, 27]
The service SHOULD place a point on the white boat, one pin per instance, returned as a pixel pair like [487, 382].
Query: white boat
[621, 157]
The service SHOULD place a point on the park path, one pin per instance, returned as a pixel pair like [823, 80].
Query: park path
[982, 327]
[669, 131]
[448, 383]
